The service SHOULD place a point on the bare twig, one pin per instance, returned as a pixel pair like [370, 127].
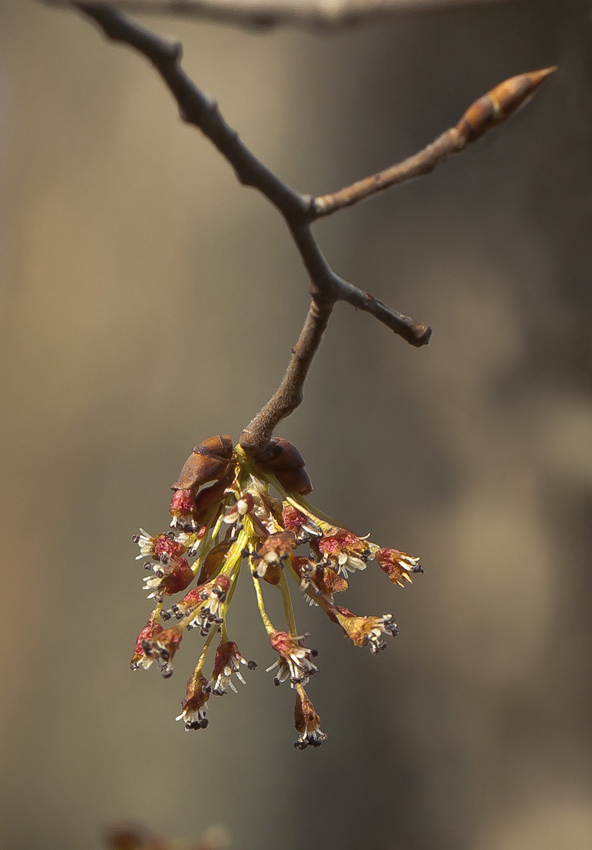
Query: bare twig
[491, 109]
[311, 14]
[299, 211]
[289, 393]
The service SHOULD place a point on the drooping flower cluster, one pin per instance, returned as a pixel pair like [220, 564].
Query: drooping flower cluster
[229, 512]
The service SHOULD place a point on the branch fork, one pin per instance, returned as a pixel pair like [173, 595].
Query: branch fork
[300, 211]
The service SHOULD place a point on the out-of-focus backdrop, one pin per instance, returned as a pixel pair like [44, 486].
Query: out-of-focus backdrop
[148, 301]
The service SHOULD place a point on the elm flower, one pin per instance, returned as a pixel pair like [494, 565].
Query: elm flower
[161, 648]
[228, 660]
[168, 579]
[195, 703]
[345, 552]
[364, 631]
[307, 722]
[398, 565]
[295, 661]
[235, 512]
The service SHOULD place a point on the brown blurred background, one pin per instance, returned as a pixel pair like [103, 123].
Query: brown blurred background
[148, 302]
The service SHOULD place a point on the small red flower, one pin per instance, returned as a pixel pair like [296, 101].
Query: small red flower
[398, 565]
[295, 661]
[150, 630]
[228, 660]
[307, 722]
[364, 631]
[344, 551]
[161, 648]
[195, 703]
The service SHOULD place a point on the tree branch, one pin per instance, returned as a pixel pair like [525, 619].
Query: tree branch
[311, 14]
[299, 211]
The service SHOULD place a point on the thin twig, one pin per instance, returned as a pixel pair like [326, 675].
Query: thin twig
[299, 211]
[321, 15]
[289, 393]
[491, 109]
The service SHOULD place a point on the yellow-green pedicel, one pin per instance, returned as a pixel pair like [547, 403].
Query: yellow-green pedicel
[228, 510]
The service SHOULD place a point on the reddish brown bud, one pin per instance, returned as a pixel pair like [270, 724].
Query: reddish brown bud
[500, 103]
[209, 461]
[219, 446]
[283, 460]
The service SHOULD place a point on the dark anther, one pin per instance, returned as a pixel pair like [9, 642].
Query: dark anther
[252, 665]
[135, 538]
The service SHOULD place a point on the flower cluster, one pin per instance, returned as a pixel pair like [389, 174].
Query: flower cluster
[231, 511]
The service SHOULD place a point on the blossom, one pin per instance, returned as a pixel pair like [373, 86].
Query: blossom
[150, 630]
[303, 526]
[273, 553]
[307, 722]
[161, 648]
[295, 661]
[202, 606]
[161, 548]
[364, 631]
[233, 512]
[168, 580]
[344, 551]
[242, 506]
[398, 565]
[195, 703]
[228, 660]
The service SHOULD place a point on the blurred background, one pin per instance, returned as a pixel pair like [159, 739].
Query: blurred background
[148, 302]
